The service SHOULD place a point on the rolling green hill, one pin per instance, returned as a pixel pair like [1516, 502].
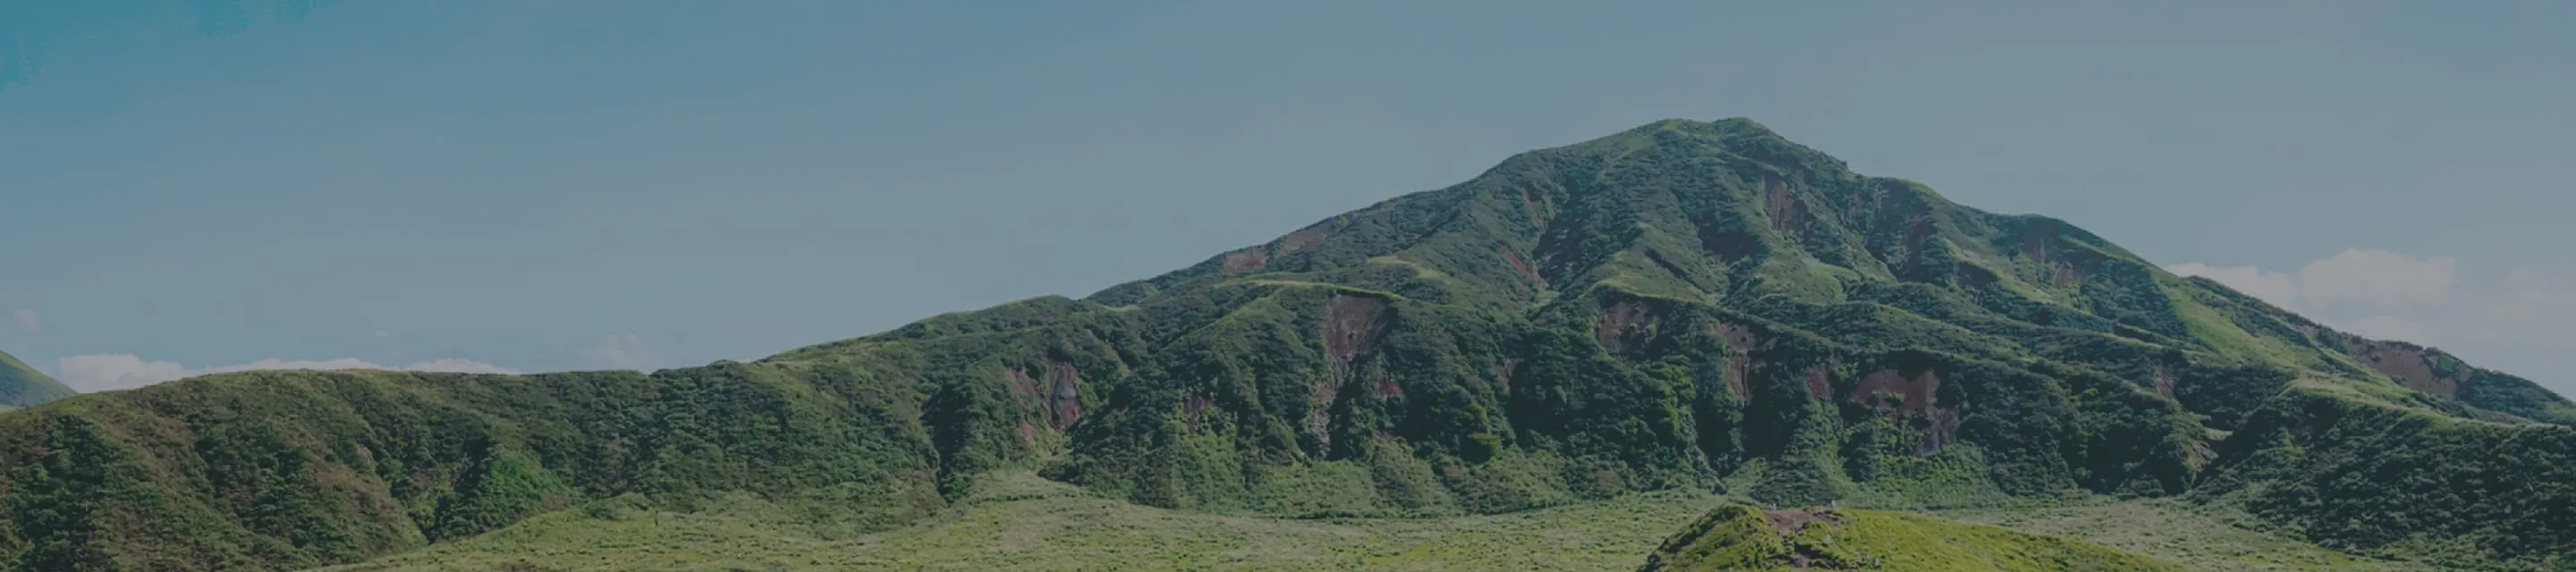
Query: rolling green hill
[1684, 305]
[22, 386]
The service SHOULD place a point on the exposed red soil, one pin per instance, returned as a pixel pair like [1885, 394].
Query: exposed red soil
[1242, 261]
[1788, 214]
[1354, 326]
[1819, 384]
[2166, 380]
[1628, 325]
[1065, 399]
[1539, 209]
[1021, 384]
[1195, 405]
[2408, 364]
[1514, 259]
[1889, 391]
[1028, 433]
[1913, 399]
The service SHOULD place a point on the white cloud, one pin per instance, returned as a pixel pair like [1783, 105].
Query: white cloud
[2364, 277]
[624, 352]
[103, 372]
[27, 320]
[2277, 288]
[2510, 321]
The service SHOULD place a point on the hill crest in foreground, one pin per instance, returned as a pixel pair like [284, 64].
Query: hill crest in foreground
[1681, 305]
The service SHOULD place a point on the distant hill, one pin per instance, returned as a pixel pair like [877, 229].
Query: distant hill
[1746, 539]
[22, 386]
[1680, 305]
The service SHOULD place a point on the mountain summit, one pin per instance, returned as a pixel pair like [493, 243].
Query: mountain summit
[1683, 304]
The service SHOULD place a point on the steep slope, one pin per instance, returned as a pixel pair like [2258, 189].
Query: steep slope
[22, 386]
[1746, 539]
[1684, 304]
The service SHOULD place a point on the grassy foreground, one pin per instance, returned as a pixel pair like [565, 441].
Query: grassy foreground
[1017, 521]
[1014, 520]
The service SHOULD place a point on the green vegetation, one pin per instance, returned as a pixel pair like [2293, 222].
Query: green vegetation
[1013, 520]
[1684, 306]
[1742, 538]
[2199, 536]
[22, 386]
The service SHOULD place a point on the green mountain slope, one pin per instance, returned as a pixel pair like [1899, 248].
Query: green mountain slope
[1682, 305]
[22, 386]
[1741, 538]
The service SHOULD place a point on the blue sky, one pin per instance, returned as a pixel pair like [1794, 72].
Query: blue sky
[484, 184]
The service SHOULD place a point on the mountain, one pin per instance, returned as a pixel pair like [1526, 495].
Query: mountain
[1680, 305]
[22, 386]
[1746, 539]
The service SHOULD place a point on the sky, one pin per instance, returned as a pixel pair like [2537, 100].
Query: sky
[497, 185]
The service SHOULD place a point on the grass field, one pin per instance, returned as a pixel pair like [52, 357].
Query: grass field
[2195, 536]
[1017, 521]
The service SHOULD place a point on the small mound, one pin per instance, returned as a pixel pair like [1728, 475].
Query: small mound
[1745, 538]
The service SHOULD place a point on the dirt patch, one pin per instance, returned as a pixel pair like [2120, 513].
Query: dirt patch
[1819, 384]
[1788, 214]
[1522, 266]
[1196, 404]
[1628, 326]
[1354, 326]
[2408, 364]
[1021, 384]
[1914, 400]
[1245, 261]
[1787, 523]
[1538, 206]
[1064, 400]
[1889, 391]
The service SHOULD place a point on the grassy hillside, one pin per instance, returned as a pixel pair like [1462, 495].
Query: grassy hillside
[1681, 306]
[21, 386]
[1742, 538]
[1013, 520]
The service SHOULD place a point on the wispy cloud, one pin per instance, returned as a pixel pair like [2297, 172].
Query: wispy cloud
[624, 352]
[105, 372]
[2509, 320]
